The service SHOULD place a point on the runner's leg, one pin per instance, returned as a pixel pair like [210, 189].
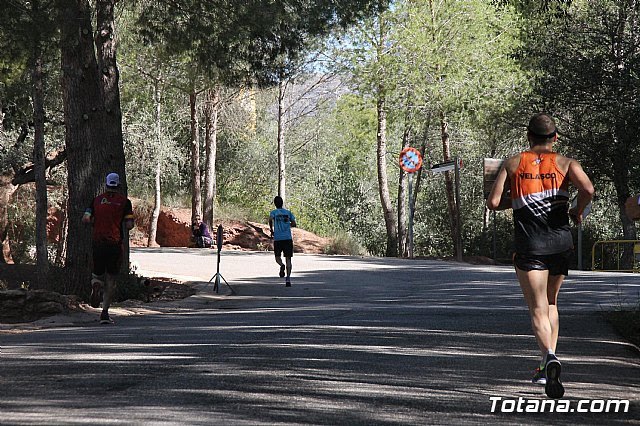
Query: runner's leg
[534, 288]
[288, 260]
[279, 262]
[553, 288]
[110, 285]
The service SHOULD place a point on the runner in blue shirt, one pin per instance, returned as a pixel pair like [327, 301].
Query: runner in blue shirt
[280, 222]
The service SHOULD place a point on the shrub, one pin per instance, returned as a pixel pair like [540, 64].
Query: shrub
[343, 243]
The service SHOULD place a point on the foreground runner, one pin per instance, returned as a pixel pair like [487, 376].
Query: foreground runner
[108, 212]
[539, 180]
[280, 222]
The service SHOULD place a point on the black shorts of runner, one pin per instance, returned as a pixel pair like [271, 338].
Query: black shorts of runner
[283, 246]
[106, 258]
[556, 264]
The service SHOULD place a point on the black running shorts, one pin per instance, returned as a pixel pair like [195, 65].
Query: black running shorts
[107, 258]
[283, 246]
[556, 264]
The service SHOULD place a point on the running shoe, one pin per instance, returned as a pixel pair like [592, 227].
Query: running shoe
[96, 294]
[287, 283]
[539, 377]
[282, 271]
[105, 318]
[553, 388]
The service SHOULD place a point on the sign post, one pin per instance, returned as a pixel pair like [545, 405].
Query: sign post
[455, 164]
[410, 162]
[586, 211]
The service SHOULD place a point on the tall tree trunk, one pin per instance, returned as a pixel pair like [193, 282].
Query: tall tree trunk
[157, 200]
[84, 118]
[418, 174]
[281, 150]
[444, 135]
[7, 189]
[61, 247]
[112, 147]
[402, 200]
[211, 146]
[383, 180]
[109, 155]
[196, 195]
[42, 257]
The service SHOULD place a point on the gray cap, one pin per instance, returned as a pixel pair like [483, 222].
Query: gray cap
[113, 180]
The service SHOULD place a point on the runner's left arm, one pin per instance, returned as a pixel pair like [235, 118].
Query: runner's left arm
[583, 184]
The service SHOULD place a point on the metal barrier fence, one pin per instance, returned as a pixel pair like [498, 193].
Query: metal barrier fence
[616, 255]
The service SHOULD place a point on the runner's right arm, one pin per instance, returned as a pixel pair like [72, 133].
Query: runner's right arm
[495, 196]
[271, 224]
[88, 214]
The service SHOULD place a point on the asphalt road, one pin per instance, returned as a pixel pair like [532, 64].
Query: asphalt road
[353, 341]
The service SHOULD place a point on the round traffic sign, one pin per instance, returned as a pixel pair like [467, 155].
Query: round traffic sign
[410, 160]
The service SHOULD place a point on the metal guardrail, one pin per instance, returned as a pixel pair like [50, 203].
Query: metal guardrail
[616, 255]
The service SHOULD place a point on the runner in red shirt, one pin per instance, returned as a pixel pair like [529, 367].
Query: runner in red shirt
[108, 213]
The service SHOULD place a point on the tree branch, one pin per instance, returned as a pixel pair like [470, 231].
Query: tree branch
[26, 173]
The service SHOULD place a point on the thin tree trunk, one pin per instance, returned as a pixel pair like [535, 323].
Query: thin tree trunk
[42, 257]
[157, 201]
[61, 248]
[84, 118]
[444, 134]
[281, 149]
[383, 181]
[418, 180]
[211, 147]
[7, 190]
[196, 195]
[402, 200]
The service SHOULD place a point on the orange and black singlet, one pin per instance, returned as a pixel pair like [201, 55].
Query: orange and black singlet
[539, 197]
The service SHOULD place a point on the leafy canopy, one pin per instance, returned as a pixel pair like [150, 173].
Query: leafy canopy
[247, 39]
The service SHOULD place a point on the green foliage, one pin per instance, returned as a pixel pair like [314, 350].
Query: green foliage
[486, 65]
[129, 287]
[23, 25]
[236, 40]
[586, 73]
[344, 244]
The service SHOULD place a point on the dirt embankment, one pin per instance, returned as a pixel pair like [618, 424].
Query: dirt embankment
[174, 231]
